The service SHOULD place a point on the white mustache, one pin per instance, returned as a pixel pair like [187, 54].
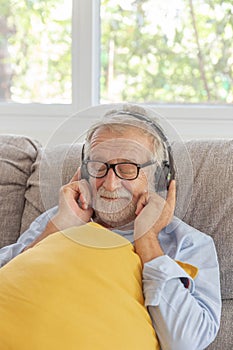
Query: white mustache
[112, 201]
[121, 193]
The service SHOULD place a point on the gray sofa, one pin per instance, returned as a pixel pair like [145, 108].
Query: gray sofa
[30, 177]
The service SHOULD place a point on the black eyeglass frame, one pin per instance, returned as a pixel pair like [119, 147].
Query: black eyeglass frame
[113, 166]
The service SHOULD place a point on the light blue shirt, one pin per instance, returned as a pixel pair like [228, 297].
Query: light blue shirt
[183, 317]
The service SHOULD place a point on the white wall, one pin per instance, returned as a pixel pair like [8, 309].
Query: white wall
[198, 122]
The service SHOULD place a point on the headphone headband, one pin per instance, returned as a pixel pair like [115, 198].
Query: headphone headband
[149, 121]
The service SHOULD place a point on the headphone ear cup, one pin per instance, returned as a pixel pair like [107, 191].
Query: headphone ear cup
[162, 177]
[84, 173]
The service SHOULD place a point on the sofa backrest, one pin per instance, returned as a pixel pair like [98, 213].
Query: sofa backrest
[31, 177]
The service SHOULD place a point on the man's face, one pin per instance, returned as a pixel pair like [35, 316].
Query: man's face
[114, 199]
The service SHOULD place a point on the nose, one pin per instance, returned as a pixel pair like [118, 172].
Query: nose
[111, 181]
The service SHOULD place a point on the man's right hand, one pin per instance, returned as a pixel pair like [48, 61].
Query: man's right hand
[74, 204]
[74, 207]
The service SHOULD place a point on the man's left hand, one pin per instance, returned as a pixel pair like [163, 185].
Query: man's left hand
[153, 214]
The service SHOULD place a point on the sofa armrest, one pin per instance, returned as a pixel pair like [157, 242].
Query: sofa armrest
[17, 154]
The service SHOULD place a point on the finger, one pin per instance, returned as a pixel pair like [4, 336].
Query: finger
[85, 193]
[171, 195]
[71, 190]
[143, 200]
[76, 176]
[77, 193]
[82, 202]
[79, 189]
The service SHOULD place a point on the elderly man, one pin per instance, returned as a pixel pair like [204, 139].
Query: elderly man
[126, 162]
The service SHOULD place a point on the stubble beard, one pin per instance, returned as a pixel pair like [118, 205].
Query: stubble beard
[114, 209]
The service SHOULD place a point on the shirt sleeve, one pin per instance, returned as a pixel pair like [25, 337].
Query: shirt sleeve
[36, 228]
[184, 318]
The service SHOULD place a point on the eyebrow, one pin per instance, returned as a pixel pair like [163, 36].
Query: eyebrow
[114, 160]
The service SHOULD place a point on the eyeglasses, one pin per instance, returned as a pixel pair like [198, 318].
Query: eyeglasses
[124, 170]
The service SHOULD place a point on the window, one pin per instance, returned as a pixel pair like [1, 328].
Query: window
[167, 51]
[35, 51]
[151, 51]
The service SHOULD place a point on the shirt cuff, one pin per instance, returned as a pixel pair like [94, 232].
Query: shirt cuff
[156, 273]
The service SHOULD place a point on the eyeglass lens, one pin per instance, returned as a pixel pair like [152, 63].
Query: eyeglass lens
[126, 171]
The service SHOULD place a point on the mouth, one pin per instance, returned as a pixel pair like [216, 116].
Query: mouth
[109, 199]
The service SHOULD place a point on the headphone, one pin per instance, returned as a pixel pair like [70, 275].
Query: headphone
[164, 172]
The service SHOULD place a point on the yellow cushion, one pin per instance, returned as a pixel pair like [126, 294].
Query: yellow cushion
[190, 269]
[80, 289]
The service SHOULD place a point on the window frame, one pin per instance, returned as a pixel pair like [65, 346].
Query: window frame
[85, 86]
[85, 66]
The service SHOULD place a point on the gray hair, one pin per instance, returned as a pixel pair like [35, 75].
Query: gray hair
[120, 118]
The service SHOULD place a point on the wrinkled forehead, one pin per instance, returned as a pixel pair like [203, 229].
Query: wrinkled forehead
[130, 145]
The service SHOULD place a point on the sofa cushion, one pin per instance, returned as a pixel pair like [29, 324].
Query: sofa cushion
[53, 167]
[211, 200]
[17, 154]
